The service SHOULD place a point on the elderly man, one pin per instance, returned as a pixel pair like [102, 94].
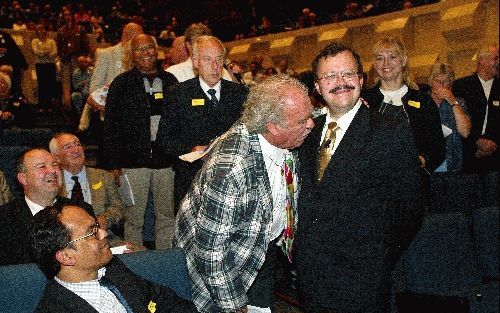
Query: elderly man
[242, 202]
[39, 174]
[186, 70]
[360, 200]
[481, 94]
[73, 252]
[134, 103]
[92, 185]
[199, 110]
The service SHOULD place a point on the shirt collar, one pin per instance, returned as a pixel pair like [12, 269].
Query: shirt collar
[82, 175]
[34, 207]
[345, 120]
[205, 88]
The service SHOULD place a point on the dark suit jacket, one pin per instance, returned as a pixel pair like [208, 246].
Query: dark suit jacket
[137, 292]
[14, 225]
[354, 224]
[470, 89]
[184, 124]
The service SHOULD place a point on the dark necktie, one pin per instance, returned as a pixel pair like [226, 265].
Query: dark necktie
[108, 284]
[290, 208]
[76, 192]
[326, 148]
[213, 98]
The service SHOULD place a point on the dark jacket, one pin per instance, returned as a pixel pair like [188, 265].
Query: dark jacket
[424, 120]
[354, 225]
[138, 293]
[127, 137]
[14, 225]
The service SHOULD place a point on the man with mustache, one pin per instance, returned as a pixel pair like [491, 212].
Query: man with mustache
[241, 203]
[73, 252]
[39, 174]
[360, 202]
[481, 94]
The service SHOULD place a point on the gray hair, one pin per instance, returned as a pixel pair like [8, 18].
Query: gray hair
[442, 68]
[202, 39]
[267, 100]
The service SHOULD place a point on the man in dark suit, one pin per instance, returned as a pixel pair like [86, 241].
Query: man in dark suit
[481, 94]
[193, 117]
[39, 174]
[73, 252]
[360, 202]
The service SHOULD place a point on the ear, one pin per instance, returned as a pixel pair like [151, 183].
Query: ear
[316, 86]
[271, 128]
[21, 177]
[405, 61]
[64, 257]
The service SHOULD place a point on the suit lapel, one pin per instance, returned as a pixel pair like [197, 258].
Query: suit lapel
[351, 146]
[63, 192]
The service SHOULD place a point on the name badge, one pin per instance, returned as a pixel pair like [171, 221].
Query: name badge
[197, 102]
[158, 95]
[152, 306]
[414, 104]
[496, 103]
[97, 185]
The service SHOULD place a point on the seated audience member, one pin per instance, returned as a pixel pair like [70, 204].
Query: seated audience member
[14, 110]
[481, 94]
[80, 80]
[40, 177]
[5, 194]
[11, 55]
[455, 122]
[95, 186]
[395, 94]
[72, 250]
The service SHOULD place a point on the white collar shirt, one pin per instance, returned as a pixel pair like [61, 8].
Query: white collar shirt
[82, 178]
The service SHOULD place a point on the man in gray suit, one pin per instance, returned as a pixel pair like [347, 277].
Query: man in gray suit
[97, 185]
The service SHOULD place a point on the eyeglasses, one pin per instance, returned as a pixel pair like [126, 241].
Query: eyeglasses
[144, 48]
[95, 231]
[346, 75]
[443, 82]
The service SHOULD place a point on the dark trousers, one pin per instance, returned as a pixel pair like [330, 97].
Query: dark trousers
[260, 293]
[47, 84]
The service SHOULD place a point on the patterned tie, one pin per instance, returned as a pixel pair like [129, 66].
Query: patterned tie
[326, 148]
[213, 98]
[105, 282]
[290, 208]
[76, 192]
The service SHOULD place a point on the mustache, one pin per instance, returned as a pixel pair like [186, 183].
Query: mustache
[341, 87]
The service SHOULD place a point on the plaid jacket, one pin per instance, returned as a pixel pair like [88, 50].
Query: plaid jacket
[224, 222]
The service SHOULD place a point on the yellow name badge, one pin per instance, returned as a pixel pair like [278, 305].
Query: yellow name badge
[152, 306]
[197, 102]
[496, 103]
[158, 95]
[414, 104]
[97, 185]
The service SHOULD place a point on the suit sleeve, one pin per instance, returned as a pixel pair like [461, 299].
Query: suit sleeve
[434, 146]
[112, 126]
[114, 203]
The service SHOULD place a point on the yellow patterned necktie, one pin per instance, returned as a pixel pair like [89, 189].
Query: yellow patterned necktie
[326, 148]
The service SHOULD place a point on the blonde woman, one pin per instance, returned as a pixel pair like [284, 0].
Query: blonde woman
[396, 94]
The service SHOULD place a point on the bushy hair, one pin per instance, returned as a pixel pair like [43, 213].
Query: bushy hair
[442, 68]
[266, 101]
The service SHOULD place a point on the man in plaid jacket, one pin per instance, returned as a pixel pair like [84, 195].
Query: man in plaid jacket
[235, 211]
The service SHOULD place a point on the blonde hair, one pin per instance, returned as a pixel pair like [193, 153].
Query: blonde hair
[442, 68]
[394, 44]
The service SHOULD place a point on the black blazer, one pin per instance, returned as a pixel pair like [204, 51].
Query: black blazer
[354, 225]
[14, 226]
[470, 89]
[424, 121]
[137, 292]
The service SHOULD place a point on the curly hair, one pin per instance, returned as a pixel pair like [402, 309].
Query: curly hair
[266, 101]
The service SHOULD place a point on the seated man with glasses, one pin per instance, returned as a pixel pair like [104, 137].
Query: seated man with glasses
[73, 252]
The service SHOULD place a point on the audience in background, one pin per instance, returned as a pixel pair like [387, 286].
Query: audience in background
[11, 55]
[5, 194]
[14, 110]
[80, 82]
[455, 122]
